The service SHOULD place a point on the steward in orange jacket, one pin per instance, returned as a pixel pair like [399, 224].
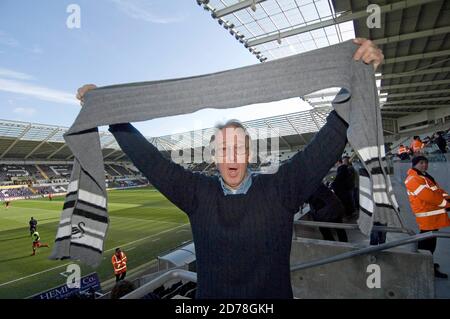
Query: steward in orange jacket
[417, 145]
[429, 203]
[403, 152]
[119, 261]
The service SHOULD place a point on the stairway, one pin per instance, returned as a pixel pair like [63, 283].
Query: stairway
[41, 171]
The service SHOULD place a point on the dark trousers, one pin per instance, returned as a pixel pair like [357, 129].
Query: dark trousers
[356, 198]
[428, 244]
[377, 237]
[327, 233]
[346, 198]
[121, 276]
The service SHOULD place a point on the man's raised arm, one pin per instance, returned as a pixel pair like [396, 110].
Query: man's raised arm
[172, 180]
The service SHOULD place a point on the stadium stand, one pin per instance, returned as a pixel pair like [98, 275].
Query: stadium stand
[417, 82]
[22, 192]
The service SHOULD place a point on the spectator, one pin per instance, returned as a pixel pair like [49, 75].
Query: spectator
[440, 142]
[429, 203]
[343, 185]
[121, 289]
[326, 207]
[238, 218]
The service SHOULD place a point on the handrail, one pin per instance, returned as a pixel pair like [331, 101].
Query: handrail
[180, 274]
[350, 254]
[310, 223]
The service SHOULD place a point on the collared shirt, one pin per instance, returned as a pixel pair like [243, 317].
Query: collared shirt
[243, 187]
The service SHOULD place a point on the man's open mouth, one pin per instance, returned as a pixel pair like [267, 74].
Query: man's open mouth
[233, 171]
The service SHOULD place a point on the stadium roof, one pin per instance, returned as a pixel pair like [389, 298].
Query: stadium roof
[413, 34]
[31, 141]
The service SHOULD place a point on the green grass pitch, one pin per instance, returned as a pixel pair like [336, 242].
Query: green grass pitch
[142, 222]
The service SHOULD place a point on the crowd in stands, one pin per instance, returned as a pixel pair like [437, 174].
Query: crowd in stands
[45, 179]
[15, 192]
[437, 143]
[45, 190]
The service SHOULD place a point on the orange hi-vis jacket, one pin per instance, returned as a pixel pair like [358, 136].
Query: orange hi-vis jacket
[417, 146]
[119, 264]
[428, 201]
[402, 149]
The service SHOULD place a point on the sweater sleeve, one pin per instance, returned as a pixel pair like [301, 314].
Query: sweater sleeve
[297, 179]
[172, 180]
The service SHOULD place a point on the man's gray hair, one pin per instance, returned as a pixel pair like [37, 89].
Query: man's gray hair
[231, 123]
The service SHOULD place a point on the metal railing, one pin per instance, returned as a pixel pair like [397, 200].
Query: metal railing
[174, 274]
[371, 249]
[309, 223]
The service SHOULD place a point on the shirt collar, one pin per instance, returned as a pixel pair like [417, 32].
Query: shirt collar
[242, 189]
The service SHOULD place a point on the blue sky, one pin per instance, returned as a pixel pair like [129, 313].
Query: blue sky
[43, 62]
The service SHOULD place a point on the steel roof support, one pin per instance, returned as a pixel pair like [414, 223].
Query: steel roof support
[25, 130]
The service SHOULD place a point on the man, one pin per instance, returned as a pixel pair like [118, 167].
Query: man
[417, 146]
[37, 242]
[33, 225]
[119, 262]
[326, 207]
[440, 142]
[242, 223]
[403, 152]
[344, 184]
[429, 203]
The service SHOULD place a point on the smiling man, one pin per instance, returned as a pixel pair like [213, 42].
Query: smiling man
[242, 223]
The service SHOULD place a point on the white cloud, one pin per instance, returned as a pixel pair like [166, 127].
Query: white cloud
[25, 111]
[140, 10]
[37, 49]
[39, 92]
[8, 40]
[14, 74]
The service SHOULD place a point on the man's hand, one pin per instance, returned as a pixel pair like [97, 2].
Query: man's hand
[368, 52]
[82, 91]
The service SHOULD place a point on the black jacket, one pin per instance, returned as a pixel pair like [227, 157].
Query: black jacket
[325, 206]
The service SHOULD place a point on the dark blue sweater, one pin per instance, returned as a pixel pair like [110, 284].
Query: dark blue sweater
[242, 242]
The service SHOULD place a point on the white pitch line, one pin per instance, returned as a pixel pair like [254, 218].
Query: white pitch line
[126, 244]
[32, 275]
[146, 220]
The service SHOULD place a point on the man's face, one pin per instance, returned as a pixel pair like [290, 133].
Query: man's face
[231, 155]
[345, 161]
[422, 166]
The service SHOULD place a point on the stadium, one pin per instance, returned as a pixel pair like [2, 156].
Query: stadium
[37, 166]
